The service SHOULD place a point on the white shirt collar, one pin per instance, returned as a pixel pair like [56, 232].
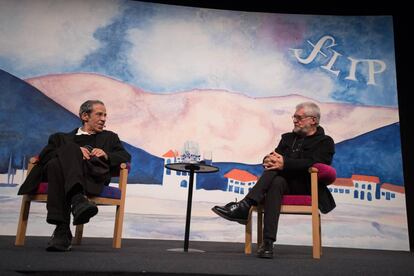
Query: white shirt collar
[81, 132]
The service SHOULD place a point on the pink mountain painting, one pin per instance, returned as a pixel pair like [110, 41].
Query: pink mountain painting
[235, 127]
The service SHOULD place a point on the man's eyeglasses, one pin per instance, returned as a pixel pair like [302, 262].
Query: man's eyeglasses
[300, 118]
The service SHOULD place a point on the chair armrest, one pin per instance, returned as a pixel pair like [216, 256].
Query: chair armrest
[32, 162]
[326, 173]
[123, 177]
[314, 175]
[313, 170]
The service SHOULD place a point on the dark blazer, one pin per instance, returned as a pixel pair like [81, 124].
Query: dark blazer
[300, 153]
[108, 141]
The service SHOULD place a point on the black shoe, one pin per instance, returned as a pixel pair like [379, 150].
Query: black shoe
[82, 209]
[61, 240]
[234, 211]
[265, 250]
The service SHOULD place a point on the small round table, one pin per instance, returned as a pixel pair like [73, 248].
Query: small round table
[190, 168]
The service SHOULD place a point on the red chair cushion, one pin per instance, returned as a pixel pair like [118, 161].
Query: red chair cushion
[326, 175]
[297, 200]
[107, 192]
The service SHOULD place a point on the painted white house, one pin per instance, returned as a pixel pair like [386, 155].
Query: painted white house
[240, 181]
[174, 178]
[366, 189]
[392, 193]
[342, 189]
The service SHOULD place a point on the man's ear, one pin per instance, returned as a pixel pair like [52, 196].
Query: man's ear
[85, 117]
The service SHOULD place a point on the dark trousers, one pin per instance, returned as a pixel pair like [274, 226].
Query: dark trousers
[269, 190]
[64, 175]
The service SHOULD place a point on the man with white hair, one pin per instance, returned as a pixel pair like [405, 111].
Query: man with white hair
[286, 172]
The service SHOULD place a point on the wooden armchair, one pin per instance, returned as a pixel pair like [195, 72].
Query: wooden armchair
[109, 196]
[298, 205]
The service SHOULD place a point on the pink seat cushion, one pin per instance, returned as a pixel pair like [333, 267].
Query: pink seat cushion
[326, 175]
[297, 200]
[107, 192]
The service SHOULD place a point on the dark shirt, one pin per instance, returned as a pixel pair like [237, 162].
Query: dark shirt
[86, 140]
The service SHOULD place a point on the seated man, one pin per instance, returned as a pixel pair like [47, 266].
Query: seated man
[76, 164]
[286, 172]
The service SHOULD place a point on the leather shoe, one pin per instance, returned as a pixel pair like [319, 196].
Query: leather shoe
[265, 250]
[234, 211]
[82, 209]
[61, 239]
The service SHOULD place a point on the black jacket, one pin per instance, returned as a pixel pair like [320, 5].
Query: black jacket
[108, 141]
[300, 153]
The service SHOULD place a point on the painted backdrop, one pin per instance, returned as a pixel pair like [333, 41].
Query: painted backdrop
[226, 81]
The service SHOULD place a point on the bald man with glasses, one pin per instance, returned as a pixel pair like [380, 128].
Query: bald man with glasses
[286, 172]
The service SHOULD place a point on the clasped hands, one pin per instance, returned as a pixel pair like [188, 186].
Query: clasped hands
[94, 152]
[273, 161]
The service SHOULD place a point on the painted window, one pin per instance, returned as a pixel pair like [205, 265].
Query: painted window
[183, 183]
[168, 171]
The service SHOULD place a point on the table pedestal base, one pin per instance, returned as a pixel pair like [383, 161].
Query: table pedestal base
[182, 250]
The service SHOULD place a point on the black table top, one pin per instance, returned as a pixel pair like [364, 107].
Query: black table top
[196, 167]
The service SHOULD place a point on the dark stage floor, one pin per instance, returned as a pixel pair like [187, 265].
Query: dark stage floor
[150, 257]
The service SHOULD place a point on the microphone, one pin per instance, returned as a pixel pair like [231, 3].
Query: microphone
[88, 147]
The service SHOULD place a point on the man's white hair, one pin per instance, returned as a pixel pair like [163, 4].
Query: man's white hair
[311, 109]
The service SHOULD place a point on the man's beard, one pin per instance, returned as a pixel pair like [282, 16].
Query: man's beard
[302, 131]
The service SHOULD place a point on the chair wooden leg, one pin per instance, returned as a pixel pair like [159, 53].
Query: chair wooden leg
[320, 235]
[248, 233]
[78, 234]
[259, 226]
[22, 223]
[119, 220]
[316, 224]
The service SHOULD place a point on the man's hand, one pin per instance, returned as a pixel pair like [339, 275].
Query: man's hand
[86, 153]
[273, 161]
[99, 153]
[95, 152]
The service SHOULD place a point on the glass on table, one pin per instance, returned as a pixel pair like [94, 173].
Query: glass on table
[190, 152]
[208, 157]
